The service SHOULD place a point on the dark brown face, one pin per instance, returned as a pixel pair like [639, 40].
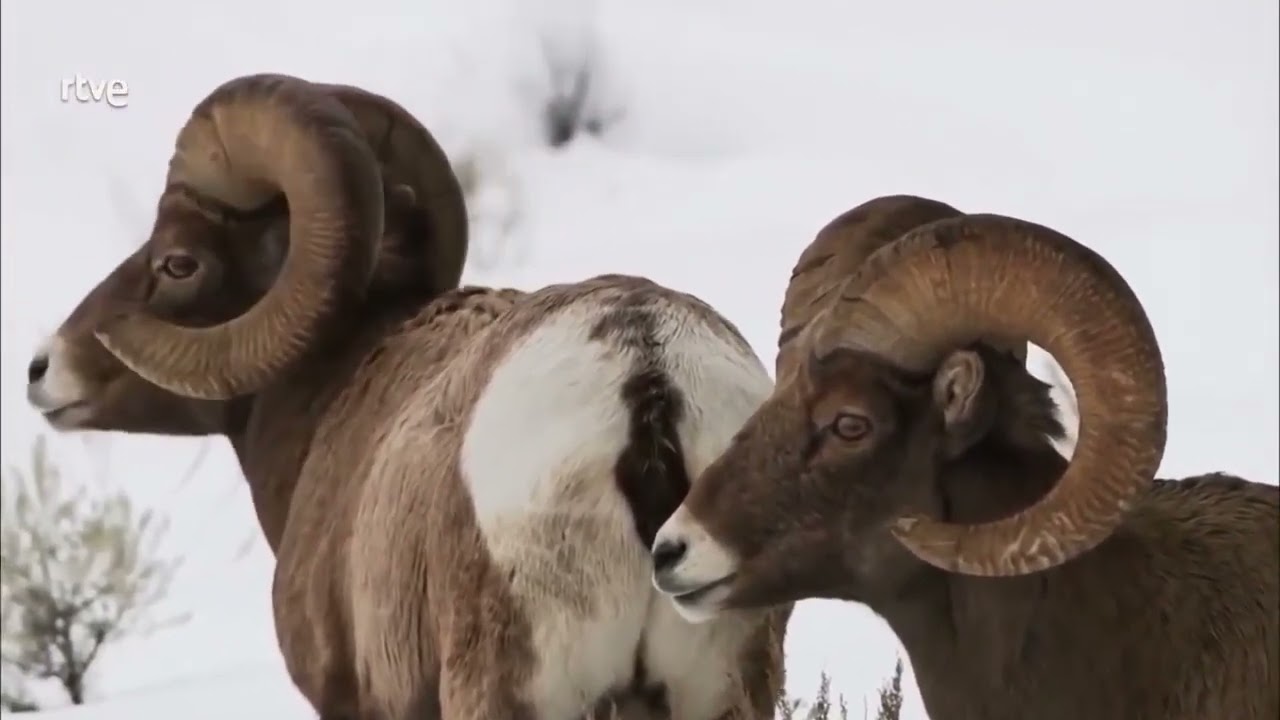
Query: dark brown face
[213, 307]
[799, 506]
[848, 452]
[198, 269]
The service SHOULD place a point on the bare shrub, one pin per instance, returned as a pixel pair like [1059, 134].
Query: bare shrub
[78, 571]
[824, 707]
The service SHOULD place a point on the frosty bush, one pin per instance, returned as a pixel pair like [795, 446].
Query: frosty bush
[77, 571]
[824, 707]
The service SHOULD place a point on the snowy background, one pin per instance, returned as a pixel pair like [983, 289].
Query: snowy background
[733, 130]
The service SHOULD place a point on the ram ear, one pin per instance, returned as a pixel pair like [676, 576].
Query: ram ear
[261, 253]
[400, 195]
[964, 400]
[407, 250]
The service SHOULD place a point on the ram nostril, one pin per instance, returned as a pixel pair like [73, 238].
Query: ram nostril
[668, 553]
[38, 367]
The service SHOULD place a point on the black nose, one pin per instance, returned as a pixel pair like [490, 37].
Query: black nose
[668, 553]
[38, 367]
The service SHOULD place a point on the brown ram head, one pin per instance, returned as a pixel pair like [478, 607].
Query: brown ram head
[901, 352]
[288, 207]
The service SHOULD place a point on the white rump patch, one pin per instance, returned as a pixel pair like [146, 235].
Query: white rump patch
[722, 381]
[538, 460]
[550, 415]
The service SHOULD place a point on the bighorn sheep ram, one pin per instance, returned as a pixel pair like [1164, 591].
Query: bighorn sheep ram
[460, 485]
[904, 461]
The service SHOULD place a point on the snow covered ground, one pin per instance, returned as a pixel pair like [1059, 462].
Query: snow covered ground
[1147, 129]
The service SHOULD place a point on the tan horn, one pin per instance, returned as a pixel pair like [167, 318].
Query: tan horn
[951, 282]
[409, 155]
[841, 250]
[250, 139]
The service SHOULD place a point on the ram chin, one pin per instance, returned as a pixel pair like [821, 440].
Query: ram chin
[703, 603]
[69, 417]
[60, 415]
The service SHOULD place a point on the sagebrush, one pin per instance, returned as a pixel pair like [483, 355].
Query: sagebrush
[79, 570]
[825, 707]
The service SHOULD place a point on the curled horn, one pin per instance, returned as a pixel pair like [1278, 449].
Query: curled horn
[249, 139]
[948, 283]
[841, 250]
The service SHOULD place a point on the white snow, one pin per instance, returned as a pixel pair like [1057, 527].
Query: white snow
[1146, 129]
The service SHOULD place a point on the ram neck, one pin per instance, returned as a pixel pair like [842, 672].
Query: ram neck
[274, 431]
[279, 423]
[966, 636]
[272, 448]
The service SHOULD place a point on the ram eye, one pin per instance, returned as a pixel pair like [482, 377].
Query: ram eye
[179, 266]
[851, 427]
